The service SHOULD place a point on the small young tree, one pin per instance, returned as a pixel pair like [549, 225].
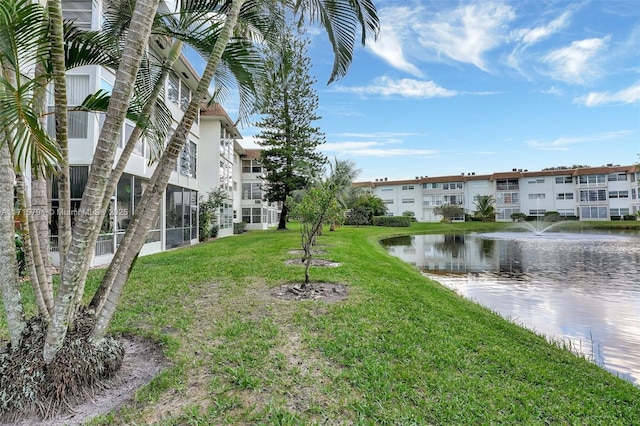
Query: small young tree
[208, 215]
[313, 209]
[449, 212]
[289, 105]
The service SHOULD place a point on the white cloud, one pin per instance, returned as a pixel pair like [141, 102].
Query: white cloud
[630, 95]
[405, 87]
[527, 37]
[468, 32]
[577, 63]
[530, 36]
[564, 143]
[389, 45]
[379, 144]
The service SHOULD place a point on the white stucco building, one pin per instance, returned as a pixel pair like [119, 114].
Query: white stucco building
[212, 158]
[592, 193]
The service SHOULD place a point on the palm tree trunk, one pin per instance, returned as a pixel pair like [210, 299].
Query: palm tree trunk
[136, 234]
[86, 227]
[40, 219]
[60, 97]
[99, 297]
[31, 243]
[9, 283]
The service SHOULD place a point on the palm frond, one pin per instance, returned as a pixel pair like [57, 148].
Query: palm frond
[23, 33]
[90, 48]
[28, 139]
[341, 19]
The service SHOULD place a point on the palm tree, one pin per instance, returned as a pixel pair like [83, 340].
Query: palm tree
[86, 220]
[485, 209]
[23, 139]
[343, 173]
[340, 18]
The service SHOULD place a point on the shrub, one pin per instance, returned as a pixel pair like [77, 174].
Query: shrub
[518, 217]
[358, 216]
[392, 221]
[239, 227]
[629, 217]
[552, 216]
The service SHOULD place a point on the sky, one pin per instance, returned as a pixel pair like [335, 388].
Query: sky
[453, 87]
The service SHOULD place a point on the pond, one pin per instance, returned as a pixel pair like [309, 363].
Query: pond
[581, 289]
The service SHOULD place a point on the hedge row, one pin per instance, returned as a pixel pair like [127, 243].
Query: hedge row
[397, 221]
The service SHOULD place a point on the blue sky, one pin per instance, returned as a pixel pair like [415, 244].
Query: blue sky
[457, 87]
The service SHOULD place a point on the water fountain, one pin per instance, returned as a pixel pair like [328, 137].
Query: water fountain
[538, 227]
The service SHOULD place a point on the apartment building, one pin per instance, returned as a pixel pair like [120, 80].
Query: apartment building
[592, 193]
[256, 213]
[212, 158]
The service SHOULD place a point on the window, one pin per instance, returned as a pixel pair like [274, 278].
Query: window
[537, 212]
[538, 180]
[388, 201]
[593, 195]
[185, 96]
[591, 179]
[452, 185]
[537, 196]
[251, 166]
[181, 216]
[387, 189]
[455, 200]
[251, 191]
[564, 179]
[430, 185]
[633, 193]
[508, 198]
[79, 12]
[566, 212]
[173, 88]
[226, 216]
[506, 213]
[407, 187]
[188, 159]
[619, 212]
[618, 194]
[617, 177]
[593, 212]
[256, 215]
[507, 184]
[408, 200]
[252, 215]
[78, 121]
[432, 200]
[564, 196]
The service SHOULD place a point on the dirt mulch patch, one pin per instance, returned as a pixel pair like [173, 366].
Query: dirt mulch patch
[298, 251]
[314, 262]
[143, 359]
[325, 292]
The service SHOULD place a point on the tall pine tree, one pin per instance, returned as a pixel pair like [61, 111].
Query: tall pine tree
[288, 110]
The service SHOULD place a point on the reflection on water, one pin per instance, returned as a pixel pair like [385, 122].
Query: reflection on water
[583, 288]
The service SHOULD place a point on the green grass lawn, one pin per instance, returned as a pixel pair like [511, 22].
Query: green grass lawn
[401, 349]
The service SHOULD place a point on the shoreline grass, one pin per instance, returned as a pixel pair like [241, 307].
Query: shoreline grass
[401, 349]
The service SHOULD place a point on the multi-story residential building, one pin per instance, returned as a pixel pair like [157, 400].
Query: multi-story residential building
[590, 193]
[220, 155]
[256, 212]
[210, 159]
